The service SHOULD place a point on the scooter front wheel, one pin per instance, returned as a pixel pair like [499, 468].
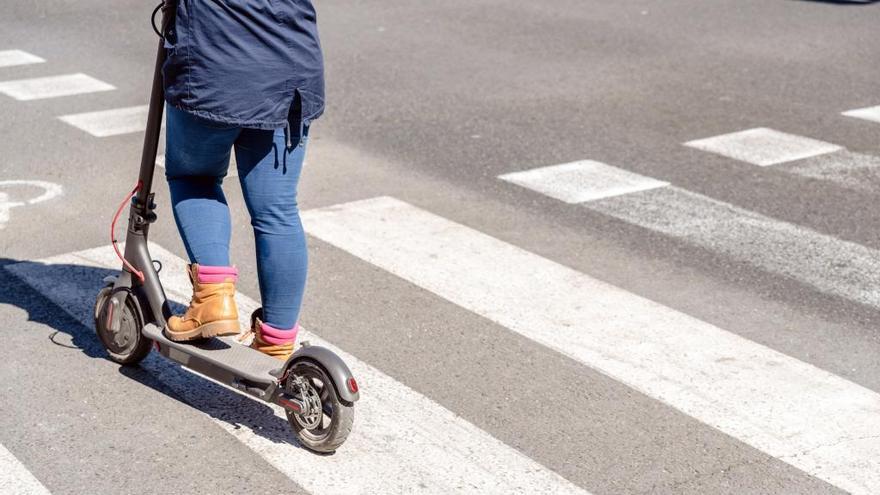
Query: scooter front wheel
[128, 345]
[327, 420]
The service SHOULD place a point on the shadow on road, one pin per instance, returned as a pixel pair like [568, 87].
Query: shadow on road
[81, 283]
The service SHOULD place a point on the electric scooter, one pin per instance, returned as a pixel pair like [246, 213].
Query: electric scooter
[314, 386]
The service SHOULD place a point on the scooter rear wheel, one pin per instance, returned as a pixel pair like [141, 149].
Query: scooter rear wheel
[329, 425]
[128, 345]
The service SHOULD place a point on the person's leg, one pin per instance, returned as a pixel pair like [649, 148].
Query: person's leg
[196, 160]
[269, 175]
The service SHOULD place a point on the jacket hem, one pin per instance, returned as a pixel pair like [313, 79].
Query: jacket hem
[232, 121]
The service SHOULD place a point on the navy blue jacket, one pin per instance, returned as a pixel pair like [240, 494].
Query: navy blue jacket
[248, 63]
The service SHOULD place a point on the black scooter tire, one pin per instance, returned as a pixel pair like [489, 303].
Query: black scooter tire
[136, 350]
[327, 439]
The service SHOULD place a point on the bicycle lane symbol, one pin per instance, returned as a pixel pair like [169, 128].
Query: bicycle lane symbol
[50, 190]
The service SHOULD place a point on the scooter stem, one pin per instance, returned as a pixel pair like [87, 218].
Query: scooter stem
[151, 295]
[154, 117]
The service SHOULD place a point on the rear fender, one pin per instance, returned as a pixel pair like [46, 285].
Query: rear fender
[332, 364]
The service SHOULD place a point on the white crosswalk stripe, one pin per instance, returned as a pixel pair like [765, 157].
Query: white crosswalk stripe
[53, 87]
[581, 181]
[870, 113]
[15, 478]
[401, 441]
[112, 122]
[856, 171]
[828, 264]
[9, 58]
[763, 147]
[807, 417]
[800, 155]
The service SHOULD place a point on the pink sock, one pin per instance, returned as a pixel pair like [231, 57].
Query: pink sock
[278, 337]
[217, 274]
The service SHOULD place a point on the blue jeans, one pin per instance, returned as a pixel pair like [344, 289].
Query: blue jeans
[197, 156]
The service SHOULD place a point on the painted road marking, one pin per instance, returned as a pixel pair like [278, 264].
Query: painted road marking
[110, 122]
[846, 168]
[402, 441]
[581, 181]
[870, 113]
[9, 58]
[50, 190]
[763, 147]
[805, 416]
[830, 265]
[52, 87]
[15, 478]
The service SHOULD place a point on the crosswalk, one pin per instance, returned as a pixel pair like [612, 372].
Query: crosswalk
[10, 58]
[871, 113]
[113, 122]
[800, 155]
[39, 88]
[855, 171]
[763, 147]
[582, 181]
[829, 265]
[403, 439]
[15, 478]
[693, 366]
[809, 418]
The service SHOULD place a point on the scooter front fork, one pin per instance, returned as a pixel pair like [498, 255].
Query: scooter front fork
[148, 293]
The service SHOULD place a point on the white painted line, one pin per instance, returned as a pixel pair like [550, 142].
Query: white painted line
[50, 190]
[830, 265]
[851, 170]
[582, 181]
[15, 478]
[52, 87]
[9, 58]
[110, 122]
[402, 441]
[870, 113]
[763, 147]
[807, 417]
[5, 206]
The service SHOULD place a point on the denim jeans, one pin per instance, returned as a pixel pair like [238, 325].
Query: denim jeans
[197, 156]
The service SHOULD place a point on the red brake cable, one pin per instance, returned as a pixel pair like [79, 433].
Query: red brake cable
[132, 269]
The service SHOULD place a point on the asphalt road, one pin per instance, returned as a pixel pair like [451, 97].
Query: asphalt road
[714, 335]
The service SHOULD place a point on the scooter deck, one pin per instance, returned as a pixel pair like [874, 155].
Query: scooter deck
[217, 355]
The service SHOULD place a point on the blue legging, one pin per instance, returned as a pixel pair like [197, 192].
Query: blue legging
[196, 161]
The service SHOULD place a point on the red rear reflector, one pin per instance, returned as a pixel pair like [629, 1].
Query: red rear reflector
[352, 385]
[290, 405]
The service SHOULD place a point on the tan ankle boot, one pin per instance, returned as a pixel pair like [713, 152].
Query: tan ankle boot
[212, 311]
[271, 341]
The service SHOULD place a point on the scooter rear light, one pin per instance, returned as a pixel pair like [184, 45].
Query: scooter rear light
[352, 385]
